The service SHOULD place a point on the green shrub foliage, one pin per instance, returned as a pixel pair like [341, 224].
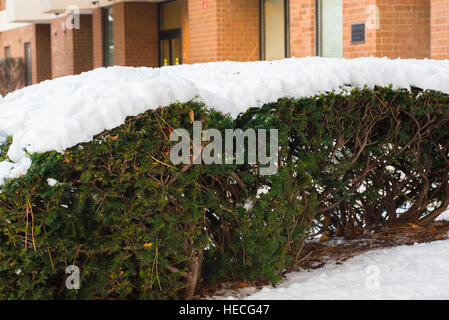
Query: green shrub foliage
[139, 227]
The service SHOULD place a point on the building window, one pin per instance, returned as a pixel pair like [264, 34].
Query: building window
[170, 34]
[274, 15]
[108, 36]
[28, 78]
[329, 28]
[7, 52]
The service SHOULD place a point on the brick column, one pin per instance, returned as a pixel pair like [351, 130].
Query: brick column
[203, 34]
[72, 49]
[238, 30]
[185, 31]
[83, 46]
[42, 54]
[97, 37]
[136, 34]
[61, 48]
[302, 28]
[439, 29]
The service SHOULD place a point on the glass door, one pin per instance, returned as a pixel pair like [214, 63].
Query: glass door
[170, 51]
[274, 29]
[170, 35]
[108, 36]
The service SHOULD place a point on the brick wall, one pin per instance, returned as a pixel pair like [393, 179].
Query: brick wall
[71, 49]
[38, 35]
[238, 30]
[97, 37]
[136, 34]
[226, 30]
[404, 29]
[439, 29]
[302, 28]
[399, 28]
[203, 31]
[355, 12]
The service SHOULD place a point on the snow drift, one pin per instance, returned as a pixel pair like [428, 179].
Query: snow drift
[58, 114]
[405, 272]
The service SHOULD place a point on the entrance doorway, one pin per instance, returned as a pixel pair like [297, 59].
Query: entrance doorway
[170, 34]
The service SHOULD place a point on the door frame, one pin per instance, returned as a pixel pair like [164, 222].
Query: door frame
[167, 35]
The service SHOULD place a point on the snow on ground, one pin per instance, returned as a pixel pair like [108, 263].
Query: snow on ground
[420, 271]
[444, 216]
[60, 113]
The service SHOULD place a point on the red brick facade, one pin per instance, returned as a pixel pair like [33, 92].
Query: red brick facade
[38, 35]
[228, 30]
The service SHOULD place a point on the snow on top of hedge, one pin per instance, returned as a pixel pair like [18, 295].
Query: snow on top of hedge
[60, 113]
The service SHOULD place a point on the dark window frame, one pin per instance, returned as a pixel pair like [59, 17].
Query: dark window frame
[167, 35]
[7, 52]
[262, 29]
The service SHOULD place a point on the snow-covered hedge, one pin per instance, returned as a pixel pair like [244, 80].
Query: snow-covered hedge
[366, 158]
[135, 225]
[138, 226]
